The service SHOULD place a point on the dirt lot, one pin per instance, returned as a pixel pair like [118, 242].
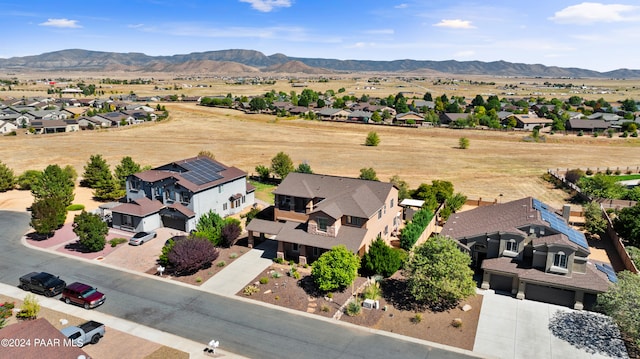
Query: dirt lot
[496, 163]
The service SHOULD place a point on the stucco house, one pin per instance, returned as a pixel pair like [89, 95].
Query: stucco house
[529, 121]
[177, 194]
[524, 247]
[7, 127]
[408, 117]
[314, 213]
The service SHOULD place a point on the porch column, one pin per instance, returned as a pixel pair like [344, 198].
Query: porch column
[250, 239]
[486, 279]
[280, 253]
[302, 256]
[579, 298]
[521, 289]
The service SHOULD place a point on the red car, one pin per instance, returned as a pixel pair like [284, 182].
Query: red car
[82, 294]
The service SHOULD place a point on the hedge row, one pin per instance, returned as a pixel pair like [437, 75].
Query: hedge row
[412, 231]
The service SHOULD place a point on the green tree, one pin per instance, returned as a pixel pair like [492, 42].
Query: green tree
[372, 139]
[376, 117]
[602, 186]
[96, 170]
[7, 178]
[47, 215]
[438, 274]
[427, 97]
[209, 226]
[126, 168]
[627, 224]
[595, 223]
[54, 183]
[368, 174]
[28, 178]
[281, 164]
[629, 105]
[402, 186]
[263, 172]
[463, 143]
[335, 269]
[304, 167]
[91, 231]
[620, 302]
[382, 259]
[574, 175]
[108, 189]
[257, 104]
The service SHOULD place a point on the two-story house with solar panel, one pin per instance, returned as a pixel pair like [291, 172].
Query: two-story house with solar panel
[177, 194]
[525, 248]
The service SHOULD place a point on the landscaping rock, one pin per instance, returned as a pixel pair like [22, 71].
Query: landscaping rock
[466, 308]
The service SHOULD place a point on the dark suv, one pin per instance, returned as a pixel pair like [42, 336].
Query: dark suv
[82, 294]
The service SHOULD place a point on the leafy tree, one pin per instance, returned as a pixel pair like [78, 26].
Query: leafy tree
[438, 274]
[304, 167]
[230, 231]
[257, 104]
[620, 302]
[410, 234]
[368, 174]
[91, 231]
[189, 255]
[372, 139]
[627, 224]
[263, 172]
[54, 183]
[376, 117]
[575, 100]
[47, 215]
[281, 165]
[382, 259]
[403, 187]
[209, 226]
[401, 104]
[28, 178]
[126, 168]
[108, 189]
[463, 143]
[574, 175]
[629, 105]
[603, 186]
[427, 97]
[478, 101]
[335, 269]
[253, 213]
[71, 172]
[96, 170]
[594, 221]
[7, 178]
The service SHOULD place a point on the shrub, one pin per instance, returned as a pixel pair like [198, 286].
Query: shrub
[277, 297]
[412, 231]
[264, 280]
[91, 231]
[634, 134]
[580, 133]
[416, 318]
[233, 255]
[456, 323]
[75, 207]
[276, 275]
[634, 253]
[198, 280]
[372, 139]
[250, 290]
[325, 308]
[372, 291]
[330, 295]
[589, 172]
[30, 307]
[335, 269]
[574, 175]
[114, 242]
[463, 143]
[191, 254]
[221, 264]
[353, 309]
[608, 171]
[278, 260]
[230, 231]
[382, 259]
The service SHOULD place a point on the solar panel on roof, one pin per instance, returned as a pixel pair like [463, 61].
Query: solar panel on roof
[202, 170]
[556, 222]
[611, 274]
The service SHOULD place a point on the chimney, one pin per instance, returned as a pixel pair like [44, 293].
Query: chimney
[566, 212]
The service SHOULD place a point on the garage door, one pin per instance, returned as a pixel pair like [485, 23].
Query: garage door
[550, 295]
[173, 222]
[501, 283]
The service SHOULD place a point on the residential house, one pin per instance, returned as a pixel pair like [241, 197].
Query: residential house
[7, 127]
[328, 113]
[525, 248]
[314, 213]
[360, 116]
[419, 105]
[50, 114]
[408, 118]
[93, 122]
[587, 125]
[117, 118]
[54, 126]
[609, 117]
[530, 121]
[177, 194]
[37, 339]
[447, 118]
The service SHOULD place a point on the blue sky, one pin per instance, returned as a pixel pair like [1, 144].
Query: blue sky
[601, 36]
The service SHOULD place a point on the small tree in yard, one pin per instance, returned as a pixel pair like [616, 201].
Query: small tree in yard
[382, 259]
[263, 172]
[372, 139]
[191, 254]
[47, 215]
[230, 231]
[594, 223]
[620, 302]
[368, 174]
[463, 143]
[91, 231]
[282, 164]
[126, 167]
[209, 226]
[30, 307]
[335, 269]
[7, 178]
[627, 224]
[438, 274]
[95, 171]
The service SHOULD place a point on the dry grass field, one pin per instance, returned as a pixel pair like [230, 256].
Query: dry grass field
[495, 163]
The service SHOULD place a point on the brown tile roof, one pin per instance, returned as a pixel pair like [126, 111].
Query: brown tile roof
[592, 280]
[263, 226]
[45, 341]
[554, 239]
[182, 209]
[293, 232]
[139, 207]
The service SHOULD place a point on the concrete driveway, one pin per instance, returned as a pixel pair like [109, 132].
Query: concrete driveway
[512, 328]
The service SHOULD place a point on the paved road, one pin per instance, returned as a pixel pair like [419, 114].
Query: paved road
[248, 329]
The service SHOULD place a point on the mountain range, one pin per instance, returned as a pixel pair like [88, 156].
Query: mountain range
[237, 61]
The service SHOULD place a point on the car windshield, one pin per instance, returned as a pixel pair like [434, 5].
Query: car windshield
[88, 292]
[140, 235]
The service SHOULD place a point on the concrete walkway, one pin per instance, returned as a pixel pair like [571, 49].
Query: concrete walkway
[239, 273]
[511, 328]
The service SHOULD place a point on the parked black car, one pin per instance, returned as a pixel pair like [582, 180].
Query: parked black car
[43, 283]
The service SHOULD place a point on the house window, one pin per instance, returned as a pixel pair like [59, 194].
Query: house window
[237, 203]
[391, 203]
[316, 252]
[220, 189]
[224, 206]
[157, 191]
[134, 184]
[512, 246]
[127, 220]
[560, 260]
[380, 213]
[186, 197]
[386, 230]
[354, 221]
[243, 199]
[295, 247]
[322, 224]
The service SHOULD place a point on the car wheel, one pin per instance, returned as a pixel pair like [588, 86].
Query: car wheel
[95, 339]
[66, 300]
[48, 293]
[86, 306]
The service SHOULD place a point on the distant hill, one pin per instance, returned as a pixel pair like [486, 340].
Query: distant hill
[249, 61]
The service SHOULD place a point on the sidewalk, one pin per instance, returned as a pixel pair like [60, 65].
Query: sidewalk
[194, 349]
[242, 271]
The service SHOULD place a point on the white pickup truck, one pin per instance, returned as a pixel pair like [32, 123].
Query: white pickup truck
[89, 332]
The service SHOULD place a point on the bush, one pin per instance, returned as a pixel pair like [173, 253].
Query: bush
[230, 231]
[463, 143]
[221, 264]
[198, 279]
[580, 133]
[574, 175]
[353, 308]
[412, 231]
[456, 323]
[233, 255]
[372, 139]
[75, 207]
[191, 254]
[264, 280]
[634, 253]
[335, 269]
[416, 319]
[589, 172]
[325, 308]
[91, 231]
[293, 272]
[114, 242]
[30, 307]
[372, 291]
[276, 275]
[250, 290]
[278, 260]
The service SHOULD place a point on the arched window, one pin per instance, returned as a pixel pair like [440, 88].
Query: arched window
[560, 260]
[512, 246]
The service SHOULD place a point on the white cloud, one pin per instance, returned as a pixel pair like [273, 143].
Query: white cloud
[455, 24]
[62, 23]
[465, 53]
[267, 5]
[401, 6]
[135, 26]
[590, 12]
[380, 32]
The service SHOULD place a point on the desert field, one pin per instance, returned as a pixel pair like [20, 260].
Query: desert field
[497, 165]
